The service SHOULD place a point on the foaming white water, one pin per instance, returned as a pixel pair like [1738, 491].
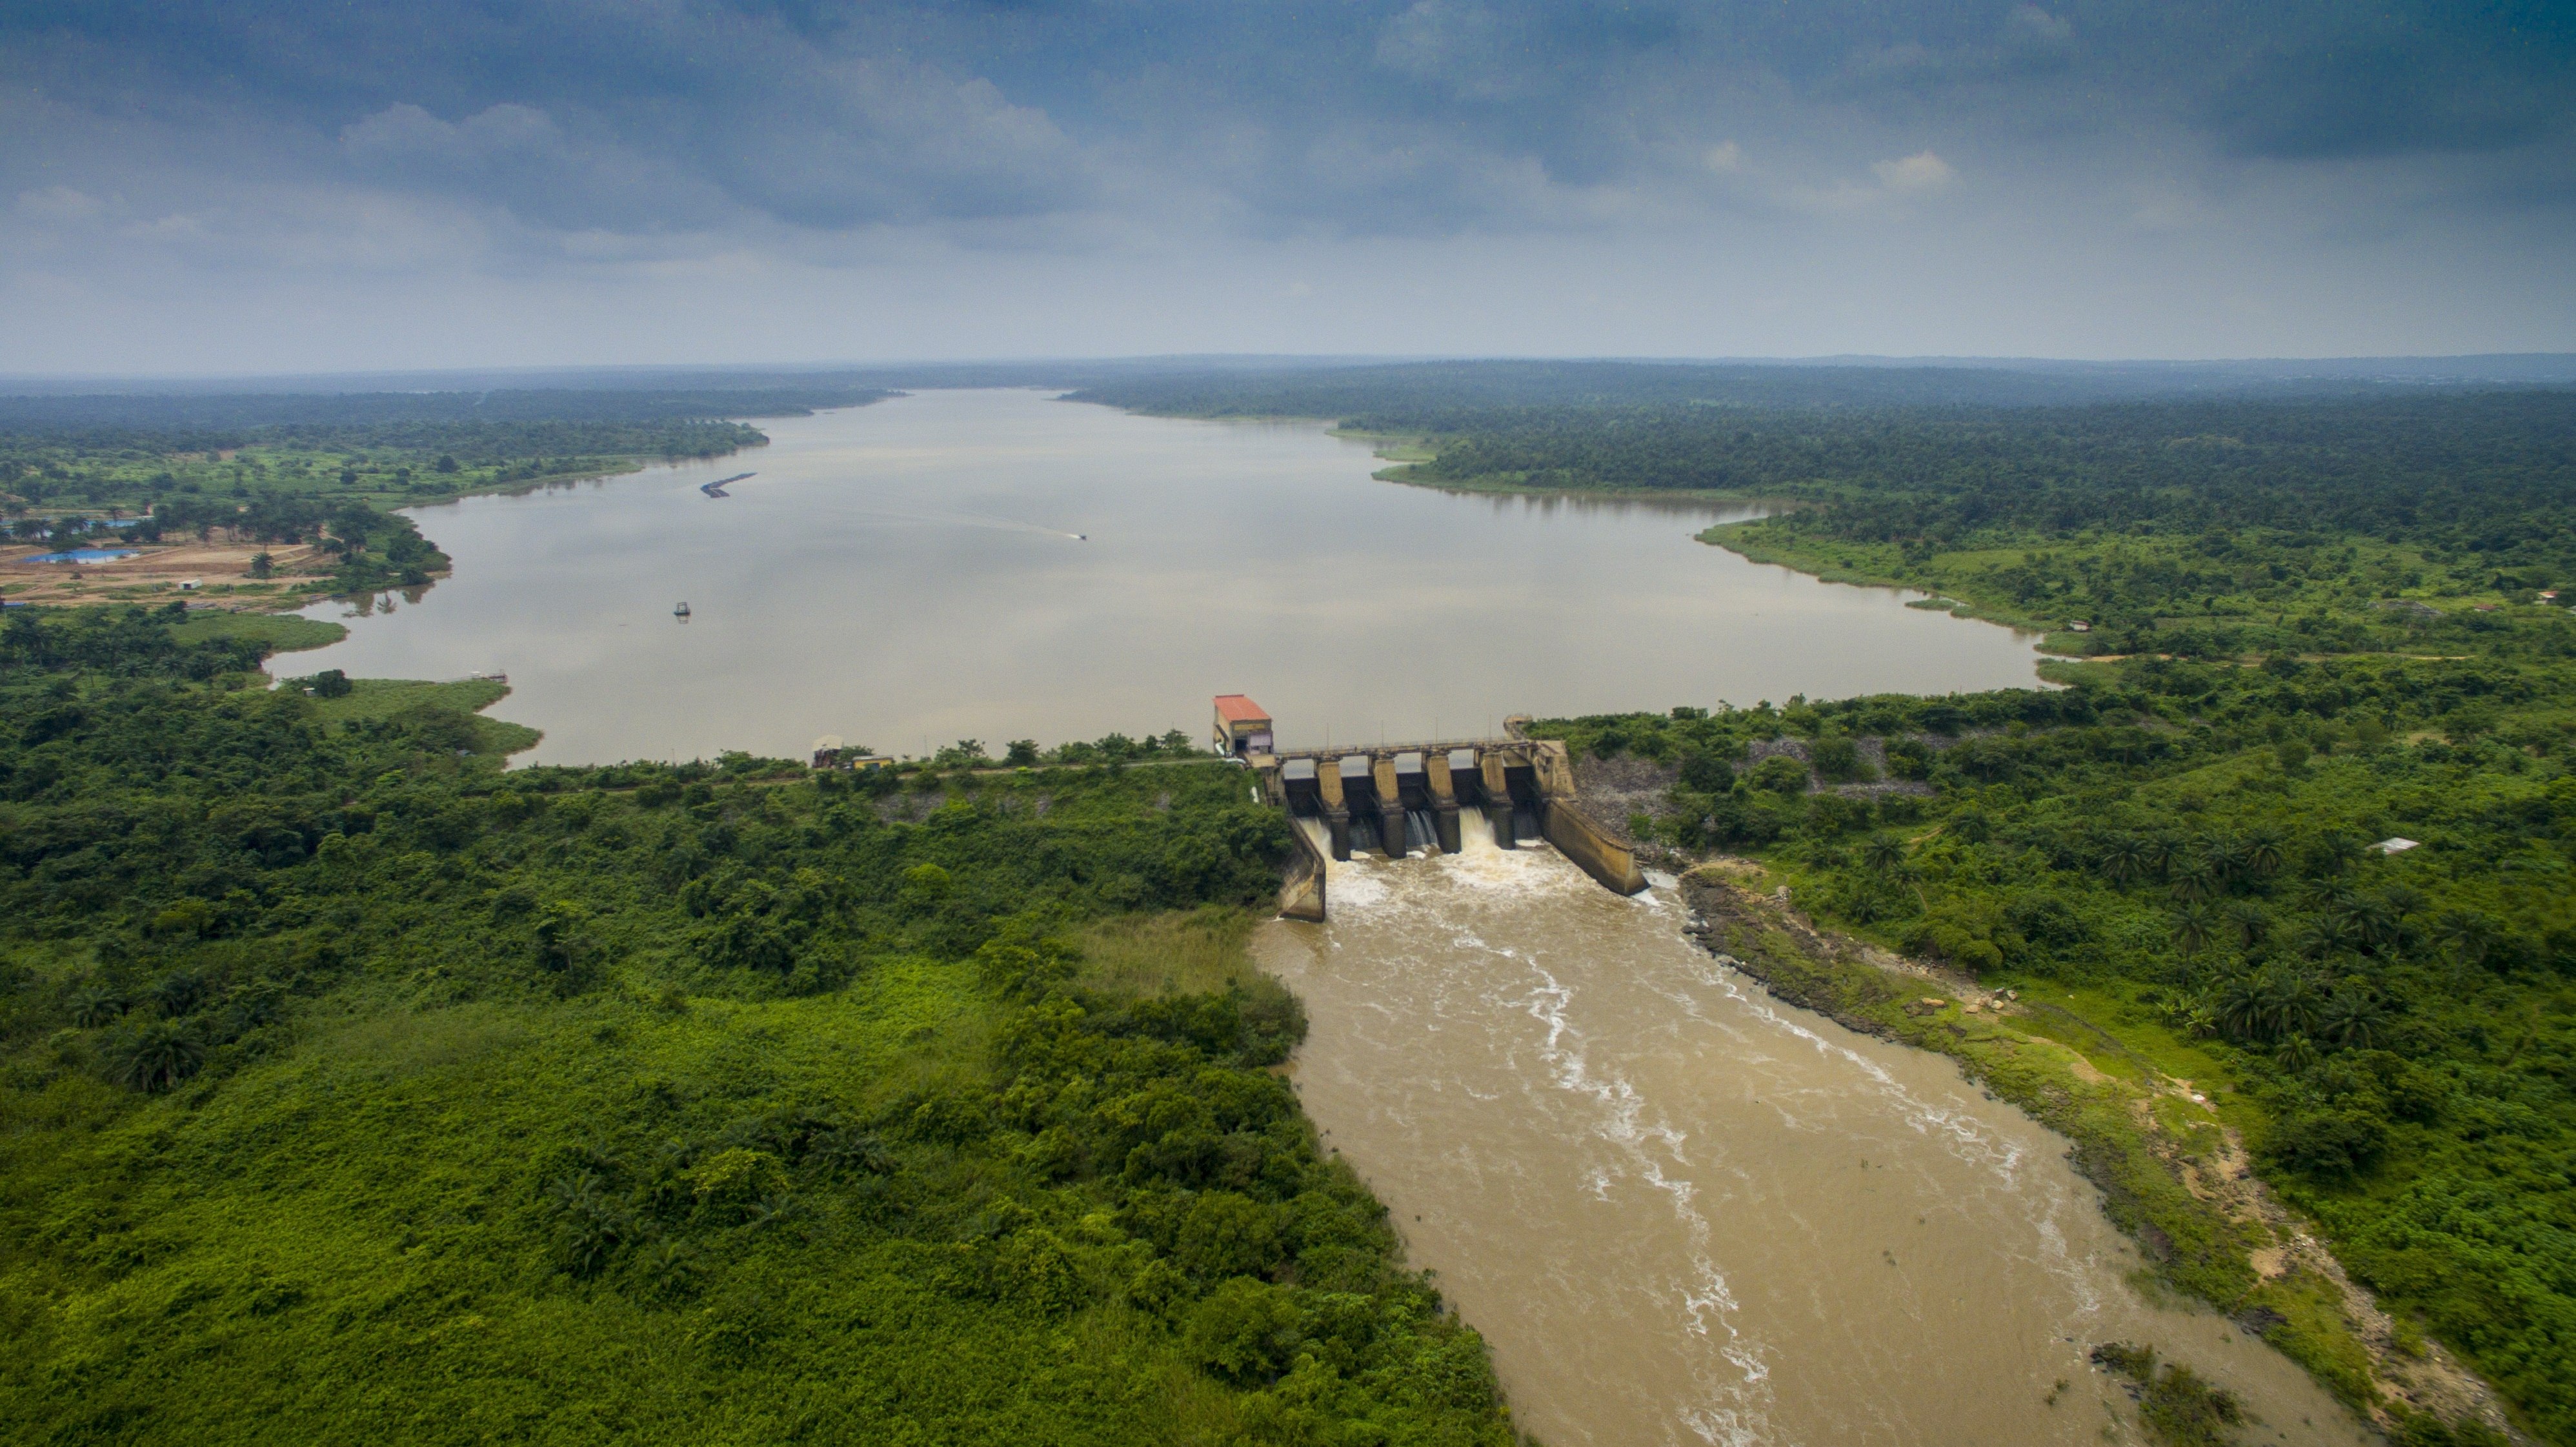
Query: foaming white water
[1682, 1212]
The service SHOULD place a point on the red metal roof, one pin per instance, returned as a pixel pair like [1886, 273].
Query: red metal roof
[1235, 708]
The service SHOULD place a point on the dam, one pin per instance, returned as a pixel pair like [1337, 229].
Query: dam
[1397, 800]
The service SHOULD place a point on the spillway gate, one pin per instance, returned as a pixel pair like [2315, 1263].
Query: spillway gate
[1401, 799]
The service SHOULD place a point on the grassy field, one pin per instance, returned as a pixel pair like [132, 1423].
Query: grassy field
[281, 632]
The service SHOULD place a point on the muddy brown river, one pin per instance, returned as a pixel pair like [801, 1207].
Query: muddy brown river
[1683, 1212]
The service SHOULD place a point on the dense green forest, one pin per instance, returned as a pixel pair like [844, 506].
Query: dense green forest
[1486, 399]
[2359, 465]
[277, 467]
[351, 1087]
[2203, 528]
[122, 479]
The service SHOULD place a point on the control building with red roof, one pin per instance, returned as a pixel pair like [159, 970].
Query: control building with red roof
[1242, 728]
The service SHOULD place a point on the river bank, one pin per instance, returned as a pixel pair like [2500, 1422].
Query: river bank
[279, 517]
[2172, 1166]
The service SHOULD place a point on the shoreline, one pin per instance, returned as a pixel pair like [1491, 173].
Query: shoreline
[2174, 1171]
[220, 577]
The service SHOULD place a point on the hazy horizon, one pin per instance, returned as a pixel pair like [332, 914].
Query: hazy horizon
[2546, 367]
[237, 188]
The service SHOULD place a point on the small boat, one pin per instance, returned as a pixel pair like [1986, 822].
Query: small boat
[680, 612]
[717, 487]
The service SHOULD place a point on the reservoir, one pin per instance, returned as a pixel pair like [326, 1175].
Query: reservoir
[906, 574]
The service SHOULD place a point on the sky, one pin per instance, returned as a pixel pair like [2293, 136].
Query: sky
[249, 186]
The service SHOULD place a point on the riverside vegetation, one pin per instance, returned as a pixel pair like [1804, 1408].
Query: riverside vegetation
[2314, 628]
[350, 1086]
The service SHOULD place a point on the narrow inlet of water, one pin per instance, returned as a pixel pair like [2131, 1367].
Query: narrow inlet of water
[1682, 1212]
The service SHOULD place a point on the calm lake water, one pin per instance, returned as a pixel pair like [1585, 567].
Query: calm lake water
[904, 575]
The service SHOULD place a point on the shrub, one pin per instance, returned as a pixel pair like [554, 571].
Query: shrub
[1244, 1332]
[156, 1057]
[1779, 774]
[1705, 773]
[1226, 1234]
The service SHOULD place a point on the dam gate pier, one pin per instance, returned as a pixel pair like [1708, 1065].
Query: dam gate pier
[1396, 799]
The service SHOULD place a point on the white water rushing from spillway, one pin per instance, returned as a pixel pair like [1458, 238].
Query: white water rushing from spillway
[1683, 1212]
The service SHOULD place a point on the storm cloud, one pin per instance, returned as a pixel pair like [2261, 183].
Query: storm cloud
[1917, 176]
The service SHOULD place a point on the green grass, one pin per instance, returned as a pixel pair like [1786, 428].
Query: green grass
[1193, 953]
[282, 632]
[380, 698]
[388, 700]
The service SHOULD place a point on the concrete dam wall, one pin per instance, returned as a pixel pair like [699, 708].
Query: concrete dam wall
[1399, 798]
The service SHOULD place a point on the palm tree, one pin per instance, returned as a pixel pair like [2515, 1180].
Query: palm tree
[2238, 1007]
[2376, 923]
[2324, 936]
[2351, 1019]
[2196, 1015]
[2161, 855]
[2248, 922]
[2295, 1053]
[2288, 1001]
[158, 1056]
[176, 995]
[2196, 879]
[2333, 854]
[2124, 859]
[1882, 854]
[2263, 854]
[590, 1227]
[2194, 926]
[850, 1148]
[96, 1005]
[2327, 896]
[669, 1267]
[2469, 935]
[2227, 858]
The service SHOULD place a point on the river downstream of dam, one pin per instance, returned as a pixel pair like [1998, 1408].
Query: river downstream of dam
[1682, 1212]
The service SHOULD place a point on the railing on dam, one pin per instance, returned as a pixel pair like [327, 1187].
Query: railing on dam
[1401, 799]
